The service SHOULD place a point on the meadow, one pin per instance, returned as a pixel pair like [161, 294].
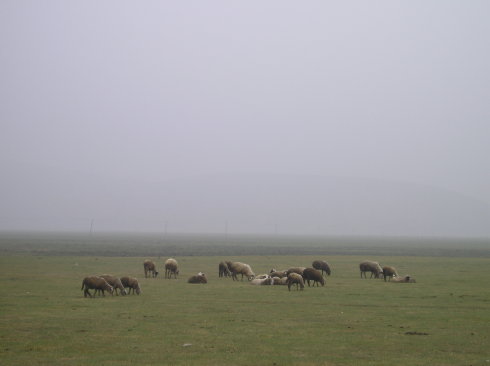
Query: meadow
[443, 319]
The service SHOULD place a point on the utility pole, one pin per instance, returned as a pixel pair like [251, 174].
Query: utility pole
[91, 227]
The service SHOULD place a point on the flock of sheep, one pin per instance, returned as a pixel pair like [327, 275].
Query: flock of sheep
[294, 276]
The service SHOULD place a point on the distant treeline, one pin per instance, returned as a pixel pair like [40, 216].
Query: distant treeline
[140, 245]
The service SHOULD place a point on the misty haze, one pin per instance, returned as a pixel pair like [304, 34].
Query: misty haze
[323, 119]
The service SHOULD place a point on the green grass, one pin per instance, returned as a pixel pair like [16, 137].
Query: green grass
[45, 320]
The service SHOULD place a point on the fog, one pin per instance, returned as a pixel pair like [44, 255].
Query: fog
[277, 117]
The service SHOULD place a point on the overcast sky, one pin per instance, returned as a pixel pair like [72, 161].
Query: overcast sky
[120, 111]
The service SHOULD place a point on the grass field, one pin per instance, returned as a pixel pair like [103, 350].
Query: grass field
[443, 319]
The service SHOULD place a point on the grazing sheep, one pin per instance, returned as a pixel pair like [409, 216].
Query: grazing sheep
[321, 266]
[115, 283]
[370, 266]
[243, 269]
[150, 268]
[311, 274]
[224, 271]
[199, 278]
[171, 267]
[95, 283]
[132, 284]
[298, 270]
[389, 272]
[295, 279]
[404, 279]
[280, 274]
[280, 280]
[267, 280]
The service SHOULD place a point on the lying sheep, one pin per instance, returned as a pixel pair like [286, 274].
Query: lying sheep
[404, 279]
[171, 267]
[370, 266]
[298, 270]
[95, 283]
[321, 266]
[280, 281]
[389, 272]
[295, 279]
[311, 274]
[132, 284]
[223, 270]
[199, 278]
[150, 268]
[267, 280]
[244, 269]
[115, 283]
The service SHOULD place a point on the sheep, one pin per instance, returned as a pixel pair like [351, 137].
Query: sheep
[389, 272]
[280, 274]
[132, 284]
[96, 283]
[321, 266]
[267, 280]
[115, 283]
[404, 279]
[199, 278]
[370, 266]
[171, 267]
[223, 269]
[298, 270]
[311, 274]
[243, 269]
[280, 280]
[295, 279]
[150, 268]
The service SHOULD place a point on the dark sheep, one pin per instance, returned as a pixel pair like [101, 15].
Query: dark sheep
[311, 274]
[223, 269]
[370, 266]
[295, 279]
[199, 278]
[322, 266]
[150, 268]
[95, 283]
[132, 284]
[390, 272]
[171, 268]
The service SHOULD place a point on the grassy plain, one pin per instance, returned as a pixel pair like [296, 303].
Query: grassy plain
[443, 319]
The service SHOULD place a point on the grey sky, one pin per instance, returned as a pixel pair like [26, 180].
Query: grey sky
[108, 106]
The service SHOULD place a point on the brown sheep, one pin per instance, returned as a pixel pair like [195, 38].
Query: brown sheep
[243, 269]
[389, 272]
[370, 266]
[311, 274]
[321, 266]
[223, 269]
[404, 279]
[132, 284]
[199, 278]
[298, 270]
[171, 268]
[150, 268]
[95, 283]
[280, 274]
[295, 279]
[115, 283]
